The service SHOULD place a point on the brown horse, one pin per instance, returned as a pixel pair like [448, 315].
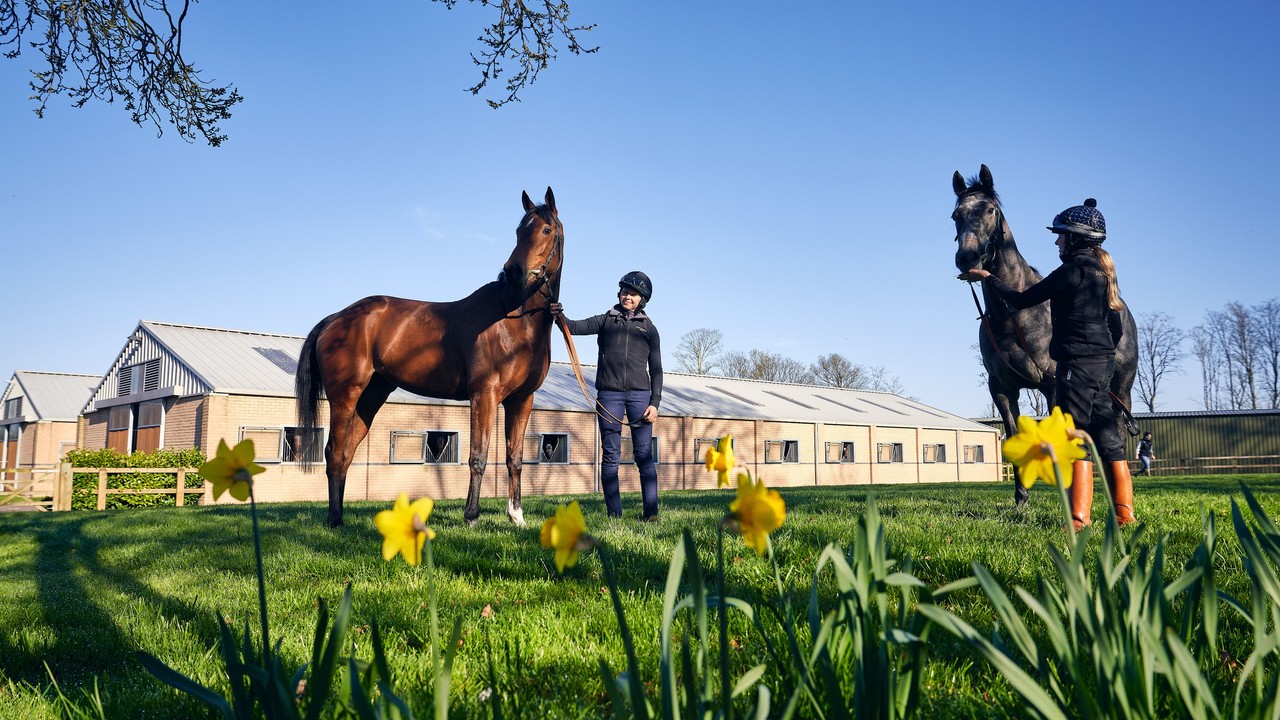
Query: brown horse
[491, 347]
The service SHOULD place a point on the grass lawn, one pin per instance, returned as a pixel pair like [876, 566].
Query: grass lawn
[82, 591]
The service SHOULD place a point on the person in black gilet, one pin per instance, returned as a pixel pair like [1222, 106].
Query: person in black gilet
[628, 384]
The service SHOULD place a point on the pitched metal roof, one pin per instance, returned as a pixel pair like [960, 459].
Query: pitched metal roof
[238, 362]
[50, 395]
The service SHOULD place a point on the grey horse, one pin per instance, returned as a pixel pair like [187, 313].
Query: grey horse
[1015, 343]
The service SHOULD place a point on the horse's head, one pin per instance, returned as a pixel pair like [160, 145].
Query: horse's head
[539, 252]
[979, 221]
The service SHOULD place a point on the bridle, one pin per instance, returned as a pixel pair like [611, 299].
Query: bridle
[539, 279]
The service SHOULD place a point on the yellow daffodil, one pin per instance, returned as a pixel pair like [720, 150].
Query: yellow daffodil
[720, 458]
[759, 511]
[1036, 445]
[567, 533]
[404, 528]
[231, 469]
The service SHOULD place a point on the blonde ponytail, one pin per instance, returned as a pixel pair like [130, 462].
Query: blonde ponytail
[1113, 284]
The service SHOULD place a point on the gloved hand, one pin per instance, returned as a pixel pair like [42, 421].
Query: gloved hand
[556, 309]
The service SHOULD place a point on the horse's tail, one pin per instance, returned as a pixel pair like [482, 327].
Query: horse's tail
[306, 387]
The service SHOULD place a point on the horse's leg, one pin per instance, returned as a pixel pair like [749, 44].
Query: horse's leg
[484, 405]
[1008, 408]
[517, 419]
[350, 415]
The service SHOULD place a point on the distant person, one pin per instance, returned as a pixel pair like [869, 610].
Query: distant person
[628, 382]
[548, 451]
[1084, 304]
[1145, 455]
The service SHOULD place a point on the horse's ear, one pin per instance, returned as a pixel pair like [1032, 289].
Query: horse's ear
[528, 204]
[957, 183]
[984, 175]
[551, 200]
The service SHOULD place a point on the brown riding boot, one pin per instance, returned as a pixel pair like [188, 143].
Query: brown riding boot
[1081, 493]
[1120, 484]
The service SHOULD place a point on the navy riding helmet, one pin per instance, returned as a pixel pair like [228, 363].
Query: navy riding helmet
[1083, 221]
[639, 282]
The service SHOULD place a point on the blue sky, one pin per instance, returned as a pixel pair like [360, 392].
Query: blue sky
[781, 171]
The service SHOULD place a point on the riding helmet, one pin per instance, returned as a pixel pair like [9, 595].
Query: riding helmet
[639, 281]
[1082, 220]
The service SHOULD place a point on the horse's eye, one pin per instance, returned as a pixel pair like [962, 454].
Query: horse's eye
[991, 211]
[546, 231]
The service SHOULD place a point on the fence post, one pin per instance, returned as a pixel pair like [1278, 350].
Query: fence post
[182, 486]
[102, 489]
[62, 487]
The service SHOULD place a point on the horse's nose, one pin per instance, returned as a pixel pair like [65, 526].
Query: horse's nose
[513, 276]
[966, 259]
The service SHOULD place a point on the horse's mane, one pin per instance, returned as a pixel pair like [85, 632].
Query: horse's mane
[541, 211]
[975, 187]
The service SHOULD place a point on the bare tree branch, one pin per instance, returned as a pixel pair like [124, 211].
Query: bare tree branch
[131, 51]
[527, 36]
[1159, 352]
[127, 50]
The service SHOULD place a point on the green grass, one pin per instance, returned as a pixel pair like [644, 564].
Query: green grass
[83, 591]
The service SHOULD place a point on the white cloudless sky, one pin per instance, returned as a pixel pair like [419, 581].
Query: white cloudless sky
[781, 170]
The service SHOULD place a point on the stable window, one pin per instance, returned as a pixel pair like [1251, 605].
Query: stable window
[888, 452]
[627, 455]
[284, 444]
[12, 408]
[432, 447]
[839, 452]
[702, 445]
[547, 448]
[150, 420]
[974, 454]
[118, 427]
[932, 453]
[782, 451]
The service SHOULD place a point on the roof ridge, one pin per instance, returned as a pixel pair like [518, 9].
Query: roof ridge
[189, 326]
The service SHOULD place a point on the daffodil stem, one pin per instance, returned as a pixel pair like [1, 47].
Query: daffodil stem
[634, 684]
[435, 618]
[262, 584]
[1066, 504]
[725, 697]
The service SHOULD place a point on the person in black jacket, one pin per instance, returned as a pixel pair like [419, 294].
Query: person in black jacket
[1084, 303]
[1145, 455]
[628, 382]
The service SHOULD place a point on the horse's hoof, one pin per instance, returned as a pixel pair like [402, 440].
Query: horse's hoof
[517, 518]
[471, 522]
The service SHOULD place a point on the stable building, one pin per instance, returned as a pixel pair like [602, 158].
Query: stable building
[183, 386]
[40, 414]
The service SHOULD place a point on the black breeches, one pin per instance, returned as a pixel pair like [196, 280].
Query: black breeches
[1083, 386]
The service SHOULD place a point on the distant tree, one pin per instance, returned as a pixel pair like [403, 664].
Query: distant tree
[880, 379]
[836, 370]
[699, 350]
[1159, 353]
[1267, 324]
[1205, 348]
[131, 50]
[761, 365]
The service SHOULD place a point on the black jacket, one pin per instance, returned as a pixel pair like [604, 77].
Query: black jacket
[630, 351]
[1084, 325]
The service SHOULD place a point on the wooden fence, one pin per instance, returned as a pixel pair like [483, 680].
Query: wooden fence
[1235, 465]
[51, 488]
